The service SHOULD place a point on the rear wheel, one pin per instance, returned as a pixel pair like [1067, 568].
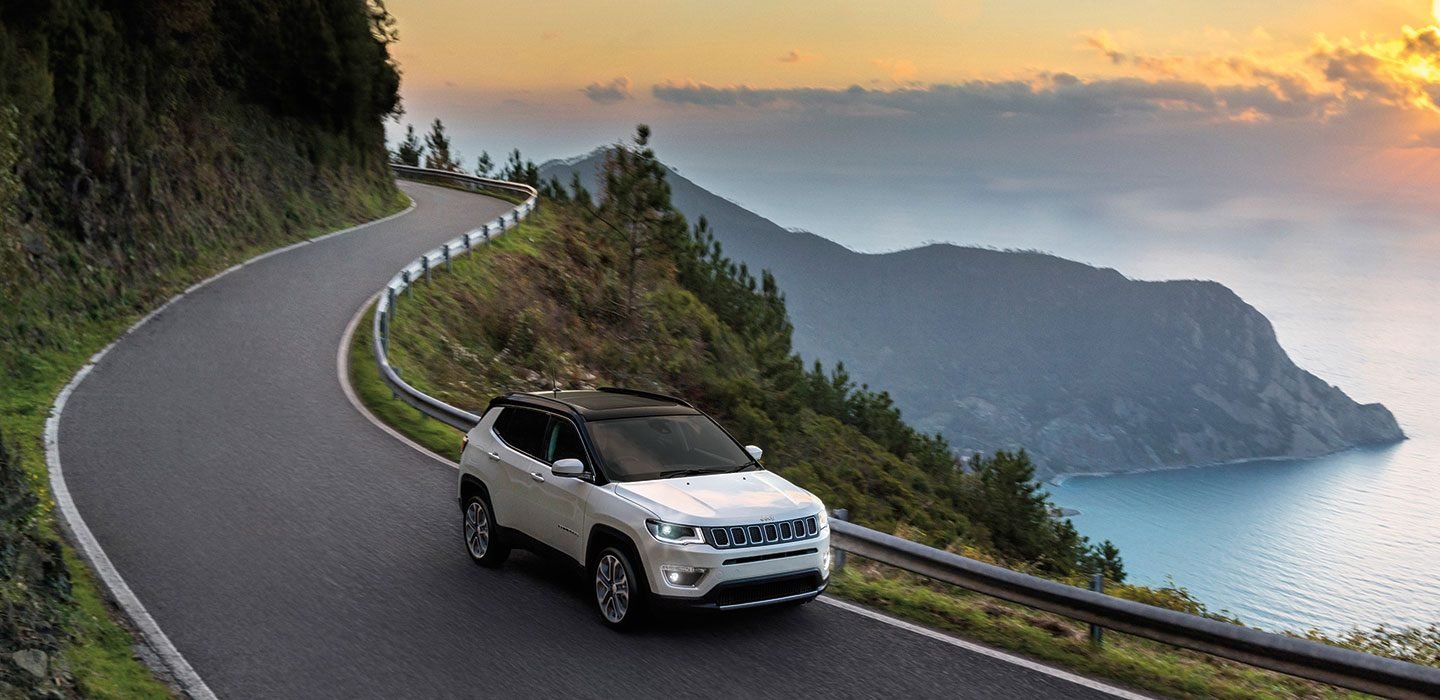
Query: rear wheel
[620, 590]
[483, 540]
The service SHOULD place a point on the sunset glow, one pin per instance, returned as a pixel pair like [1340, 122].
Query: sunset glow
[1348, 88]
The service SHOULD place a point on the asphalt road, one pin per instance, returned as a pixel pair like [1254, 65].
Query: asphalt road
[290, 548]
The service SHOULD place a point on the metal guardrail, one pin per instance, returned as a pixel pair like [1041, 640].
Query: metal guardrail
[1277, 652]
[1297, 657]
[421, 267]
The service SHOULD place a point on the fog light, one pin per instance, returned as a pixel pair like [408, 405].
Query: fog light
[683, 576]
[825, 561]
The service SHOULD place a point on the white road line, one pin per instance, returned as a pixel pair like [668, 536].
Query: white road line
[342, 361]
[175, 666]
[342, 365]
[987, 651]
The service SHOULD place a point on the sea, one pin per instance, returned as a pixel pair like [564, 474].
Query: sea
[1353, 290]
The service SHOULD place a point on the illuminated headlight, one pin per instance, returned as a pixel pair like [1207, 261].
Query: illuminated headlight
[822, 521]
[678, 575]
[670, 533]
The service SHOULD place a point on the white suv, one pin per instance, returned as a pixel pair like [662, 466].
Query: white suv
[654, 499]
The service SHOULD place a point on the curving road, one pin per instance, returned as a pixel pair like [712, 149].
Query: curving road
[290, 548]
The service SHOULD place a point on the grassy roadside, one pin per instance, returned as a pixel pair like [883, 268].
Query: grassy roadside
[96, 656]
[440, 340]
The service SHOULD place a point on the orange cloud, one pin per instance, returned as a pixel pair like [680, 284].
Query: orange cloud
[897, 68]
[796, 56]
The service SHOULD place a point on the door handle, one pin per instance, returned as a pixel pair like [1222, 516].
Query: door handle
[536, 476]
[494, 455]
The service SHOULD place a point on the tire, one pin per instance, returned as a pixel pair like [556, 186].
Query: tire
[483, 538]
[621, 593]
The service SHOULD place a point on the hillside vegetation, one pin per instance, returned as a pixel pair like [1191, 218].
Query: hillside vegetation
[143, 146]
[626, 293]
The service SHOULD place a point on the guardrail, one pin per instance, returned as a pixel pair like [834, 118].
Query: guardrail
[423, 266]
[1297, 657]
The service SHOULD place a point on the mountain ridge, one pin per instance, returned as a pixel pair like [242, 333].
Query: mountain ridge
[1089, 370]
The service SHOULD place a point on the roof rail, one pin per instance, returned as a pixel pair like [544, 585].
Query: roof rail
[645, 394]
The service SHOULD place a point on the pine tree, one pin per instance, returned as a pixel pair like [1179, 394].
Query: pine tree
[483, 165]
[438, 143]
[409, 150]
[635, 205]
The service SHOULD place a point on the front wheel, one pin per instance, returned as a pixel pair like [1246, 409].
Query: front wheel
[483, 541]
[620, 590]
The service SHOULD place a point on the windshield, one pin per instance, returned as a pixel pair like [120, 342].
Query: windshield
[654, 447]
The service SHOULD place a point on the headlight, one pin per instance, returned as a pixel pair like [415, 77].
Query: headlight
[822, 521]
[670, 533]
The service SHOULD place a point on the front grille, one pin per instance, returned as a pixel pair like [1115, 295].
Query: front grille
[737, 536]
[772, 589]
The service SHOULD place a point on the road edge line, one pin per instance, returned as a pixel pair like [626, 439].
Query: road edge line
[991, 652]
[342, 368]
[174, 666]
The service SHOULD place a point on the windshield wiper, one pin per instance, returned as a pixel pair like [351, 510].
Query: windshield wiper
[743, 467]
[685, 472]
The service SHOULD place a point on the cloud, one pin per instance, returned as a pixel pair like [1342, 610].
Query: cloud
[1401, 72]
[617, 90]
[1061, 97]
[796, 56]
[897, 68]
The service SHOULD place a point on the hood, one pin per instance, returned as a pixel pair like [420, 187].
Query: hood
[720, 499]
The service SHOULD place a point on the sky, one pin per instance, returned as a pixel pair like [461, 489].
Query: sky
[987, 117]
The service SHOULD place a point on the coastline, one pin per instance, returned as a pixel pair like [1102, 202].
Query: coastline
[1060, 479]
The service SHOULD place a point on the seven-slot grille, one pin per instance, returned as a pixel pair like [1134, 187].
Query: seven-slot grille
[736, 536]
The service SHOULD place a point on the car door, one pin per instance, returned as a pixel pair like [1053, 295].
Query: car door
[519, 449]
[560, 500]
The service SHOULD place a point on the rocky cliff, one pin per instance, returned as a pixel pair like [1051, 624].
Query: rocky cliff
[1086, 369]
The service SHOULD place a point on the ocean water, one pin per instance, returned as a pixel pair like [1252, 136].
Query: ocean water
[1353, 289]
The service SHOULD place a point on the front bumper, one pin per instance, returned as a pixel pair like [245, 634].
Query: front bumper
[741, 577]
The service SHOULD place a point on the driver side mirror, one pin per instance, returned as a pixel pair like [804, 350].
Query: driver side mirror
[567, 467]
[755, 452]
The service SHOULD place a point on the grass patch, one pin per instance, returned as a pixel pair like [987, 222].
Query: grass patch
[1129, 660]
[375, 394]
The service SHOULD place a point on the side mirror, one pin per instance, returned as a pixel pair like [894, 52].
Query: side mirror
[567, 467]
[755, 452]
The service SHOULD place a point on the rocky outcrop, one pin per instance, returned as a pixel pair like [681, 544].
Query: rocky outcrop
[1086, 369]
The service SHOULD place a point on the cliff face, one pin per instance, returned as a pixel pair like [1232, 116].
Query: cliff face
[1086, 369]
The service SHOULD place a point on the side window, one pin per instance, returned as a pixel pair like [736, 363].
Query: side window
[562, 442]
[523, 430]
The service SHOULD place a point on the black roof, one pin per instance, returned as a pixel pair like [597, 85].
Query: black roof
[600, 404]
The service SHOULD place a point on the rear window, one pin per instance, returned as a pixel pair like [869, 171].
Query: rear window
[653, 447]
[523, 430]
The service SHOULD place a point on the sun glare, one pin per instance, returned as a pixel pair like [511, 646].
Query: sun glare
[1435, 10]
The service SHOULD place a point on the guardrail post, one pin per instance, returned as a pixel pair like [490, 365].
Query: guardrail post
[486, 232]
[409, 288]
[425, 265]
[467, 241]
[1097, 584]
[390, 297]
[446, 248]
[838, 555]
[384, 334]
[395, 394]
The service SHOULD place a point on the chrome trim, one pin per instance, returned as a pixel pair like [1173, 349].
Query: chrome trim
[772, 601]
[757, 534]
